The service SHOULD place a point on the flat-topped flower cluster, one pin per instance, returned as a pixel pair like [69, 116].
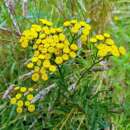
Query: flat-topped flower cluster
[21, 98]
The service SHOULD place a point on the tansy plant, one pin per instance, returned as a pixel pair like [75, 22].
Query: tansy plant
[21, 98]
[53, 46]
[105, 45]
[65, 56]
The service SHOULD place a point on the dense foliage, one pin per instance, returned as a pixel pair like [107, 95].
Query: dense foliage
[64, 65]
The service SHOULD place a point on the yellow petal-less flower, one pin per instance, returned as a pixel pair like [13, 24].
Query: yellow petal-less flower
[65, 57]
[35, 77]
[59, 60]
[30, 65]
[93, 40]
[29, 97]
[19, 109]
[27, 103]
[16, 88]
[31, 108]
[74, 47]
[67, 23]
[18, 96]
[52, 68]
[30, 89]
[122, 50]
[23, 89]
[20, 103]
[106, 35]
[34, 59]
[46, 63]
[44, 77]
[72, 54]
[100, 37]
[13, 101]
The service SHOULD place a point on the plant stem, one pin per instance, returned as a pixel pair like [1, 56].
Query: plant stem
[89, 68]
[62, 77]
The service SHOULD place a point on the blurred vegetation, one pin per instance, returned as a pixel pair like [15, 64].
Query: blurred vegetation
[108, 108]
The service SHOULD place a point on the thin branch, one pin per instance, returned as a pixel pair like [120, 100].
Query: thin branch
[12, 17]
[10, 88]
[25, 7]
[7, 30]
[25, 75]
[43, 93]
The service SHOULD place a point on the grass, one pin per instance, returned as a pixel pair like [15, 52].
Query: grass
[101, 99]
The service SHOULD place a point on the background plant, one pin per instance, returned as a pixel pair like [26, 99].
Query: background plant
[90, 107]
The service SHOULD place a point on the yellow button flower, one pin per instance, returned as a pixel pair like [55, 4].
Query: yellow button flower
[36, 69]
[35, 46]
[115, 51]
[43, 35]
[39, 62]
[27, 103]
[41, 56]
[106, 35]
[51, 49]
[122, 50]
[109, 41]
[30, 65]
[16, 88]
[38, 41]
[19, 109]
[35, 77]
[102, 53]
[66, 50]
[83, 38]
[13, 101]
[18, 96]
[74, 30]
[65, 57]
[46, 63]
[47, 56]
[59, 30]
[31, 108]
[59, 60]
[100, 37]
[42, 70]
[67, 24]
[36, 53]
[74, 21]
[20, 103]
[24, 44]
[82, 23]
[44, 76]
[72, 54]
[52, 68]
[44, 50]
[85, 32]
[34, 59]
[29, 97]
[74, 47]
[60, 45]
[30, 89]
[23, 89]
[61, 37]
[93, 40]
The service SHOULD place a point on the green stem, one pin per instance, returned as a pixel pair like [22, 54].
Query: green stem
[62, 76]
[88, 69]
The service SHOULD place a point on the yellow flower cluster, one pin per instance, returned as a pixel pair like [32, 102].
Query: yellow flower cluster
[106, 45]
[51, 48]
[22, 99]
[79, 27]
